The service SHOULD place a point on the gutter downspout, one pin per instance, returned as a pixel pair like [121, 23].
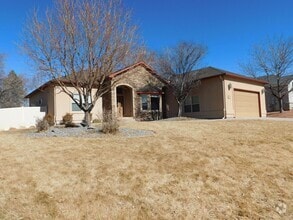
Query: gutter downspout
[224, 97]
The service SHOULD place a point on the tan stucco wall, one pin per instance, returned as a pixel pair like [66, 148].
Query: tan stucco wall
[63, 105]
[242, 85]
[47, 97]
[210, 93]
[136, 78]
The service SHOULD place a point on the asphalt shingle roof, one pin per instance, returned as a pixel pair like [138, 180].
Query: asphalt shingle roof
[210, 71]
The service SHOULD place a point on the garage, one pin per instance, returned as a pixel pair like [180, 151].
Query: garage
[246, 104]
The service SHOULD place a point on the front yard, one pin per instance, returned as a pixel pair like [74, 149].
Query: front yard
[188, 169]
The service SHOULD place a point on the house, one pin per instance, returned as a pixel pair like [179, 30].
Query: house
[138, 92]
[286, 85]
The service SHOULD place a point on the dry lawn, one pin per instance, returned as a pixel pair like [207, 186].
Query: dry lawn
[187, 170]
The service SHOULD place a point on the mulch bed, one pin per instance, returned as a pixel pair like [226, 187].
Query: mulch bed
[88, 133]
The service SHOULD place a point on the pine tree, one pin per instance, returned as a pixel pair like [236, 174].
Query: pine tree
[12, 94]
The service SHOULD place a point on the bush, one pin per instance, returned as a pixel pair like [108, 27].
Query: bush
[97, 120]
[50, 119]
[42, 125]
[110, 124]
[67, 119]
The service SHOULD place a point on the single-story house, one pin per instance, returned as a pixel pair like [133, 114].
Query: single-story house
[139, 92]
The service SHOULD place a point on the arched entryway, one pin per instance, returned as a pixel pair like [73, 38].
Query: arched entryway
[124, 99]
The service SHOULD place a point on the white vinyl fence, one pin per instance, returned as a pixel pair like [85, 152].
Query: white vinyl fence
[22, 117]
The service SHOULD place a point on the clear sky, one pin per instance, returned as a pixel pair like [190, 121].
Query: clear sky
[227, 27]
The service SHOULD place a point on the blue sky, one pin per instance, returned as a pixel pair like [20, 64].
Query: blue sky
[227, 27]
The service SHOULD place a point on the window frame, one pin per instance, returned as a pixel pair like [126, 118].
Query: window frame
[192, 104]
[76, 97]
[142, 97]
[77, 108]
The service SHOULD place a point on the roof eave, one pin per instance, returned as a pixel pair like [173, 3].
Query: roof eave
[246, 78]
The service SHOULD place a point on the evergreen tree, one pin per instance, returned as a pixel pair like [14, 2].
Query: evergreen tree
[12, 94]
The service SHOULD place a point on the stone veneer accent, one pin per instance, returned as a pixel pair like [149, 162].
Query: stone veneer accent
[137, 79]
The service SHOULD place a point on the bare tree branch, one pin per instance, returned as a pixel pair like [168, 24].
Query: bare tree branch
[274, 60]
[79, 43]
[176, 65]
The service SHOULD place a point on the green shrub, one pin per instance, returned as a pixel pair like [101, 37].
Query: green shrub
[67, 119]
[42, 125]
[50, 119]
[110, 123]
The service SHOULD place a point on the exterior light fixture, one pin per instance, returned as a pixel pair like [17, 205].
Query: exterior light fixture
[229, 86]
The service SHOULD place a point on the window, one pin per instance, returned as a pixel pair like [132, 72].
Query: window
[40, 102]
[191, 104]
[74, 106]
[155, 103]
[144, 102]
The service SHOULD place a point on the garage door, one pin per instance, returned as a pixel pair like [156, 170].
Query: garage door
[246, 104]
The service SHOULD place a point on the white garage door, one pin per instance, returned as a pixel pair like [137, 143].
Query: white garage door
[246, 104]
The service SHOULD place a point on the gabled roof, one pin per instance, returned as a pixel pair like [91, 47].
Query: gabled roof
[41, 88]
[111, 76]
[143, 64]
[133, 66]
[209, 72]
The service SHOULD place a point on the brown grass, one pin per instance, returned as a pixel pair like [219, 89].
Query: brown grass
[187, 170]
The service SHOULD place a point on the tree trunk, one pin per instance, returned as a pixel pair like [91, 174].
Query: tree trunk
[180, 106]
[280, 105]
[87, 119]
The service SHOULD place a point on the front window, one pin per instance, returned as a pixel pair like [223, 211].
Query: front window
[144, 102]
[155, 103]
[74, 106]
[191, 104]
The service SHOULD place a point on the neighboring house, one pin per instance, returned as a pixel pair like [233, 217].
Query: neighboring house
[139, 92]
[287, 89]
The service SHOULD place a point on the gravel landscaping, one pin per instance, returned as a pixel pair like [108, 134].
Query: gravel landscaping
[89, 133]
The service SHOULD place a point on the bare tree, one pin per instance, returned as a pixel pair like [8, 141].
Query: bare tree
[176, 65]
[273, 59]
[79, 43]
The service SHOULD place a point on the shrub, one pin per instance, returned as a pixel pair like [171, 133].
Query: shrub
[96, 120]
[42, 125]
[67, 119]
[110, 123]
[50, 119]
